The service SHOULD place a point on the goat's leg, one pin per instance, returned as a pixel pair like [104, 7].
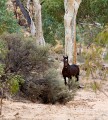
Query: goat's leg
[77, 81]
[77, 77]
[69, 82]
[65, 81]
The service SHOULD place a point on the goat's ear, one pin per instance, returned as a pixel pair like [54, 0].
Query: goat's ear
[63, 56]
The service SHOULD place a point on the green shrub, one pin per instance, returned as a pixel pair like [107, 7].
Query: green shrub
[94, 64]
[106, 57]
[25, 60]
[7, 21]
[102, 37]
[96, 86]
[50, 89]
[2, 69]
[20, 58]
[93, 60]
[14, 82]
[23, 55]
[57, 91]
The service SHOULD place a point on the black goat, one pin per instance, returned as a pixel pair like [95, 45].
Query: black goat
[69, 70]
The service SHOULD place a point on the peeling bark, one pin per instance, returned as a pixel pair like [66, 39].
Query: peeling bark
[24, 11]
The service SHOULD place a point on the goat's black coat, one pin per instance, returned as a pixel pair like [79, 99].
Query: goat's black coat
[70, 70]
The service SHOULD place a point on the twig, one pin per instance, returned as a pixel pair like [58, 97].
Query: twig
[100, 90]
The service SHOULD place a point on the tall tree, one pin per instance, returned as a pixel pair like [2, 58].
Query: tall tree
[24, 11]
[38, 22]
[71, 8]
[33, 17]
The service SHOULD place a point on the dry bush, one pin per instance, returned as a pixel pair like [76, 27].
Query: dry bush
[58, 48]
[20, 57]
[93, 69]
[93, 63]
[50, 89]
[23, 56]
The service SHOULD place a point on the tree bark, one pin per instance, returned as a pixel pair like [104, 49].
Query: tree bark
[34, 19]
[24, 11]
[38, 23]
[71, 8]
[32, 26]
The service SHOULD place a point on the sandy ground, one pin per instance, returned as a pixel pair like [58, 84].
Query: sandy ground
[86, 106]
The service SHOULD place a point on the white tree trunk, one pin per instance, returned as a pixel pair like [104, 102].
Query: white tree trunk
[71, 8]
[32, 28]
[28, 4]
[38, 23]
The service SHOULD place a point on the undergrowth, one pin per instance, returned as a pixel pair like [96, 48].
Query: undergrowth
[26, 67]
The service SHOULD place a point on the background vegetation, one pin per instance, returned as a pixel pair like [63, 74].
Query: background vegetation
[26, 67]
[8, 23]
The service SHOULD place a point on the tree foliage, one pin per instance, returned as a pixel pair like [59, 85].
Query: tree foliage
[102, 37]
[91, 11]
[7, 21]
[87, 32]
[94, 10]
[53, 26]
[54, 8]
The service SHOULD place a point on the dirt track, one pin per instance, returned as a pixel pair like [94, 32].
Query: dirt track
[86, 106]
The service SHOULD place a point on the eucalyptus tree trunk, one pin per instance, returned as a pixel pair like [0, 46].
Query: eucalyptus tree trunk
[38, 23]
[32, 26]
[24, 11]
[71, 8]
